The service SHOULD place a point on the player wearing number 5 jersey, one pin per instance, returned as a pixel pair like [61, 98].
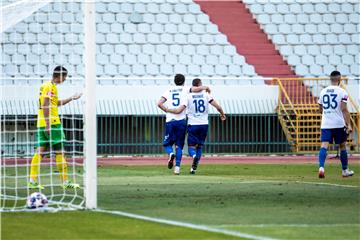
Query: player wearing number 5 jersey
[197, 105]
[335, 123]
[175, 127]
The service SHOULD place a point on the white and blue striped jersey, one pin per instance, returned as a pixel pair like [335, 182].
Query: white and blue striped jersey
[175, 96]
[330, 99]
[198, 108]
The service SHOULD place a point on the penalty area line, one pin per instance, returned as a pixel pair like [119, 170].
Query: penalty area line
[288, 225]
[186, 225]
[327, 184]
[298, 182]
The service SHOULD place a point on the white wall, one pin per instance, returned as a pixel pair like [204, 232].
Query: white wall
[142, 99]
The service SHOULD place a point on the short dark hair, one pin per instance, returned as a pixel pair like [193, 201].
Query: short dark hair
[179, 79]
[335, 74]
[59, 71]
[196, 82]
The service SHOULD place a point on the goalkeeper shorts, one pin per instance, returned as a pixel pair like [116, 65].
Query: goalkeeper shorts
[56, 137]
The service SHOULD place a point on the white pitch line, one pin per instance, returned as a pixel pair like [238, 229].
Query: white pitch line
[287, 225]
[328, 184]
[300, 182]
[186, 225]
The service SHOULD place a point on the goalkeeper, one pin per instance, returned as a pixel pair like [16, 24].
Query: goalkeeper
[49, 130]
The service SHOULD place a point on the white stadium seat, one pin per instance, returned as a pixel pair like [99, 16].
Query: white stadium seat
[293, 60]
[315, 70]
[295, 8]
[166, 69]
[307, 60]
[321, 59]
[326, 50]
[290, 18]
[212, 59]
[171, 59]
[334, 59]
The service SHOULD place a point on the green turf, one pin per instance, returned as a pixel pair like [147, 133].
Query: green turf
[90, 225]
[279, 201]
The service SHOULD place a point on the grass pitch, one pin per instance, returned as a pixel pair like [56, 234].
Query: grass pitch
[277, 201]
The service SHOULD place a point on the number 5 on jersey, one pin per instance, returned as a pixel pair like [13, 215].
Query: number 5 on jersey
[176, 99]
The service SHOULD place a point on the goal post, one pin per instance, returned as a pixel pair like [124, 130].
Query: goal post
[90, 162]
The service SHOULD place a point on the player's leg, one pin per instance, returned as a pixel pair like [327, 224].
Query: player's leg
[201, 133]
[57, 142]
[192, 141]
[35, 168]
[179, 144]
[42, 142]
[340, 138]
[326, 138]
[168, 144]
[61, 165]
[199, 152]
[322, 158]
[192, 144]
[178, 151]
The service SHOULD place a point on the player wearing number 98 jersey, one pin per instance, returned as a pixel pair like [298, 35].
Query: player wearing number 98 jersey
[175, 127]
[197, 105]
[335, 122]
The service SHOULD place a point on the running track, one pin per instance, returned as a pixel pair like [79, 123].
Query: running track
[160, 160]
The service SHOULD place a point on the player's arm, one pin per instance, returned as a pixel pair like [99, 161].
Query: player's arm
[320, 108]
[219, 109]
[320, 102]
[176, 110]
[346, 115]
[200, 88]
[161, 103]
[67, 100]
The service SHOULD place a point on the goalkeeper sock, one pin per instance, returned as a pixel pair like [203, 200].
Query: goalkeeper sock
[61, 166]
[169, 150]
[34, 168]
[198, 152]
[344, 159]
[178, 156]
[192, 152]
[322, 157]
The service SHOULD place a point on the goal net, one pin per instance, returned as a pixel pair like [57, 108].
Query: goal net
[36, 37]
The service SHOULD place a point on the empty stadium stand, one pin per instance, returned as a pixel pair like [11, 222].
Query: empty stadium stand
[134, 39]
[234, 19]
[145, 38]
[315, 37]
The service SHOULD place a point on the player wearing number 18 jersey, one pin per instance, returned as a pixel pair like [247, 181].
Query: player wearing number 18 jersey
[335, 122]
[197, 105]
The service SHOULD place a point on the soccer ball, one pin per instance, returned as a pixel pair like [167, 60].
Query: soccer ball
[36, 200]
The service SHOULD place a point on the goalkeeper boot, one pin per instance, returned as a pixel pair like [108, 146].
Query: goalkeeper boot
[177, 170]
[35, 185]
[321, 172]
[171, 161]
[347, 173]
[194, 164]
[70, 185]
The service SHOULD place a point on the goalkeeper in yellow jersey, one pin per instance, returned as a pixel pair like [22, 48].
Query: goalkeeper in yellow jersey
[50, 134]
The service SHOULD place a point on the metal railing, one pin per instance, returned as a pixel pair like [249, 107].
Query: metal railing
[143, 135]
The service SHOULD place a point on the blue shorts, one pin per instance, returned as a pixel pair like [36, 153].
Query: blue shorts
[175, 132]
[197, 134]
[338, 135]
